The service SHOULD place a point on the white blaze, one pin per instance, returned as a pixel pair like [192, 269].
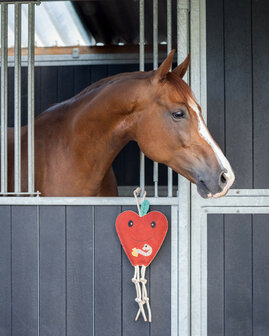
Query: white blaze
[224, 163]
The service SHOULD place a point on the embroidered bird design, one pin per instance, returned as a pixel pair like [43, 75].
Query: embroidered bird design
[146, 251]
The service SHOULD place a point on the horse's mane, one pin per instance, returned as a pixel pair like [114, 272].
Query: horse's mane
[102, 83]
[171, 77]
[110, 80]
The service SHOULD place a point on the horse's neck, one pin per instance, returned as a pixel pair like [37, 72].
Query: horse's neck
[103, 127]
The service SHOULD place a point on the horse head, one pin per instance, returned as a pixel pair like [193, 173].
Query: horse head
[171, 130]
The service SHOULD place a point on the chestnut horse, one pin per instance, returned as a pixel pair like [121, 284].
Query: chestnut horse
[77, 140]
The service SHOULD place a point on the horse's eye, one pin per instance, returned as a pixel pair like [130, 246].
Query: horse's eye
[153, 224]
[130, 223]
[178, 115]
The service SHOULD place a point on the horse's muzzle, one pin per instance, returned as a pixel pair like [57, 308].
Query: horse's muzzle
[214, 186]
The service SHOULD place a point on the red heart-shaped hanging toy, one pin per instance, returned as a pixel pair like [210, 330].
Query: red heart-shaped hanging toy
[141, 237]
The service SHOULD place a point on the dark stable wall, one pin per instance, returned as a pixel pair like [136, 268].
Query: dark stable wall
[54, 84]
[238, 117]
[70, 261]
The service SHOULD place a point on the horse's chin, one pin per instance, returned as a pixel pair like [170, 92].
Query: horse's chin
[203, 190]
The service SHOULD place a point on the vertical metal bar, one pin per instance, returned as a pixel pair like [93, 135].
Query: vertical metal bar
[175, 299]
[184, 190]
[169, 47]
[142, 68]
[17, 100]
[38, 267]
[169, 26]
[182, 51]
[155, 66]
[198, 223]
[31, 113]
[4, 59]
[203, 69]
[141, 36]
[93, 270]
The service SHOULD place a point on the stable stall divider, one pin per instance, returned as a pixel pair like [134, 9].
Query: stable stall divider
[4, 59]
[31, 95]
[17, 102]
[17, 96]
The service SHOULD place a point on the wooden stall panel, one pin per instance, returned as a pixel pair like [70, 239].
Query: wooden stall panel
[238, 89]
[5, 270]
[24, 271]
[82, 77]
[80, 271]
[230, 84]
[65, 83]
[107, 266]
[260, 33]
[160, 283]
[97, 72]
[238, 275]
[215, 286]
[230, 285]
[48, 87]
[260, 275]
[215, 71]
[52, 271]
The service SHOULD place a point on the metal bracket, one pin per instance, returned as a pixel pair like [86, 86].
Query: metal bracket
[75, 53]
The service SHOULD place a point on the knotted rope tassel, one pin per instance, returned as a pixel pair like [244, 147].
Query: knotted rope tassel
[141, 296]
[145, 298]
[138, 299]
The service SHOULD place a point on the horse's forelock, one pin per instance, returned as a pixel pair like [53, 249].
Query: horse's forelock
[181, 86]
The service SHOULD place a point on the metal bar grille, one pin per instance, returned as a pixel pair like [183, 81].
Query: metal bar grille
[31, 81]
[4, 58]
[17, 103]
[17, 97]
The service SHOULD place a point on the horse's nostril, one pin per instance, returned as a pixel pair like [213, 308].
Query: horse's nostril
[223, 179]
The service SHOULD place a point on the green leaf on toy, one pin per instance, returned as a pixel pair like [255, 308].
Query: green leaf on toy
[144, 207]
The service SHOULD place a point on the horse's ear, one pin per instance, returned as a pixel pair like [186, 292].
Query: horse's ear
[164, 68]
[181, 69]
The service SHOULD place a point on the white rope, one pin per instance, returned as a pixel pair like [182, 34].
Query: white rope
[137, 192]
[145, 299]
[138, 299]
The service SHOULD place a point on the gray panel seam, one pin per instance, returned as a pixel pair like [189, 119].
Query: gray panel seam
[252, 95]
[65, 222]
[224, 78]
[224, 270]
[93, 269]
[38, 268]
[252, 278]
[121, 271]
[11, 278]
